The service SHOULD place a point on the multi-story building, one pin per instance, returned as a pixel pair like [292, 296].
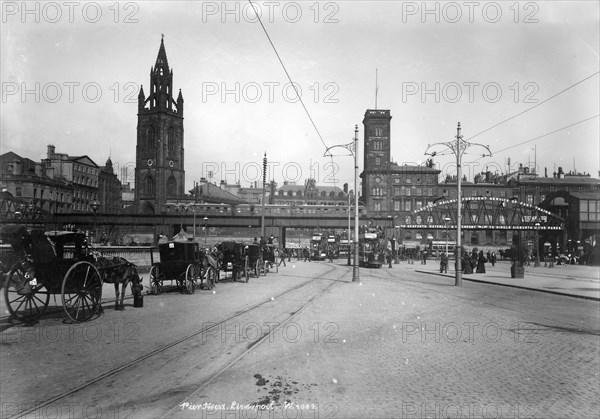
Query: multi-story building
[159, 171]
[35, 183]
[109, 189]
[80, 171]
[308, 194]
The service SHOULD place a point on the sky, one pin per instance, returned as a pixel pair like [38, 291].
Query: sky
[520, 77]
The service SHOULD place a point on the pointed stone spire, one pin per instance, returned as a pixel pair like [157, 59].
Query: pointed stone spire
[162, 54]
[141, 98]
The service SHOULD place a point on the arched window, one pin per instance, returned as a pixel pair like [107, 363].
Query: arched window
[150, 138]
[172, 186]
[149, 185]
[148, 209]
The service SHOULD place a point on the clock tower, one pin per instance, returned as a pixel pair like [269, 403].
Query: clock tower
[159, 168]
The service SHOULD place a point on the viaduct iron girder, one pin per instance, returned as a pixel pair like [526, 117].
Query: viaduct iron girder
[483, 213]
[16, 210]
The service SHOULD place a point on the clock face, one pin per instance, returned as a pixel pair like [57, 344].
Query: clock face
[171, 164]
[377, 179]
[150, 162]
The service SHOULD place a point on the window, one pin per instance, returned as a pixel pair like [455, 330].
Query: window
[378, 131]
[397, 190]
[149, 185]
[396, 205]
[529, 199]
[377, 206]
[377, 161]
[150, 138]
[418, 205]
[172, 186]
[170, 139]
[18, 191]
[502, 194]
[407, 206]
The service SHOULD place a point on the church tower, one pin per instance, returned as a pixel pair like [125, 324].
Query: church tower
[159, 169]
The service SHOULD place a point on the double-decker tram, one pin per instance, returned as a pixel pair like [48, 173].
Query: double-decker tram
[371, 248]
[318, 246]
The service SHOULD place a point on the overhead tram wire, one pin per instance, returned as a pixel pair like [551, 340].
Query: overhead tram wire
[535, 106]
[549, 133]
[287, 74]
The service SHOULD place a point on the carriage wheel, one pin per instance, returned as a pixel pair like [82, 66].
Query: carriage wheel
[246, 270]
[190, 279]
[25, 298]
[156, 286]
[82, 291]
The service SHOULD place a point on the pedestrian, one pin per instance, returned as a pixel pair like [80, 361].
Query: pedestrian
[493, 259]
[306, 255]
[467, 267]
[282, 255]
[424, 258]
[444, 263]
[480, 263]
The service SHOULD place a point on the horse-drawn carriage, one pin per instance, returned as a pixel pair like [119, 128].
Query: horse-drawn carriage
[234, 260]
[256, 261]
[184, 263]
[60, 262]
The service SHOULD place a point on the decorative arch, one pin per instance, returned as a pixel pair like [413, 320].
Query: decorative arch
[171, 139]
[148, 209]
[483, 213]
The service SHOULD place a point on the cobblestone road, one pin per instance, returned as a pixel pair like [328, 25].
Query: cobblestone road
[398, 344]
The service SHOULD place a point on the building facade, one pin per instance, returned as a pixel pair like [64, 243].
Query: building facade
[109, 190]
[35, 184]
[159, 171]
[80, 171]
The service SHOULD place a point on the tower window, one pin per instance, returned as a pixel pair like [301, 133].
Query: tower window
[170, 139]
[150, 138]
[149, 185]
[172, 186]
[377, 161]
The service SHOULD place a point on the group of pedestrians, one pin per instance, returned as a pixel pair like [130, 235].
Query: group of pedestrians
[473, 261]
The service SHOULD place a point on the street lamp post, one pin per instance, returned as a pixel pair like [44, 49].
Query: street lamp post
[95, 206]
[458, 148]
[446, 221]
[352, 147]
[205, 230]
[536, 246]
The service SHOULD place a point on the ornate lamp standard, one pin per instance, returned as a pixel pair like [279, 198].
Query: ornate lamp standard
[95, 206]
[458, 148]
[205, 230]
[352, 147]
[446, 221]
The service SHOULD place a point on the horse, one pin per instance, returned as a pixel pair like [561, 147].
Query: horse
[119, 271]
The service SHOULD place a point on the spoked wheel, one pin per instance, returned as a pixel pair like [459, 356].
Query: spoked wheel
[156, 286]
[190, 279]
[82, 292]
[25, 298]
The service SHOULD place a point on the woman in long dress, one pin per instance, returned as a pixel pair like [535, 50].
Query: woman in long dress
[480, 263]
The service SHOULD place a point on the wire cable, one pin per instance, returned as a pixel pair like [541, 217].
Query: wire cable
[535, 106]
[287, 74]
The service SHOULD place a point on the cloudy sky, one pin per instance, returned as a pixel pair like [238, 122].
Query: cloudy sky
[71, 73]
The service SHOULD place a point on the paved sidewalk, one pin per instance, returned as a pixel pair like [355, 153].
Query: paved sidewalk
[574, 280]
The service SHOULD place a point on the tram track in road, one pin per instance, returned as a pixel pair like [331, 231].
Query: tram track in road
[189, 339]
